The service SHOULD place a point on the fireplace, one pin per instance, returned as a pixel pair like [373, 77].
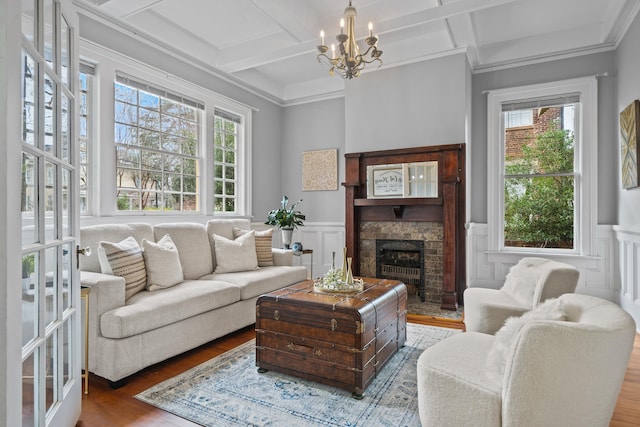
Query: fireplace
[402, 260]
[398, 216]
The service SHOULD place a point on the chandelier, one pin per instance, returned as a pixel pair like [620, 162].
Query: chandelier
[348, 61]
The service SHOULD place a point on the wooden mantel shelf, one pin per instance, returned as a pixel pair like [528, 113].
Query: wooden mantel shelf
[399, 202]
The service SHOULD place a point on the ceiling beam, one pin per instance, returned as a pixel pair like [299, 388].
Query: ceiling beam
[234, 60]
[127, 8]
[295, 20]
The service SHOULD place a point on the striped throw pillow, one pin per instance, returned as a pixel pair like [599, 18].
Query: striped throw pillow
[124, 259]
[263, 245]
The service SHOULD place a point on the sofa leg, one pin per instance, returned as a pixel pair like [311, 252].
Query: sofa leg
[114, 385]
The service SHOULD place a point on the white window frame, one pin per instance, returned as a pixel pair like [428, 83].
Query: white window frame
[177, 98]
[108, 63]
[90, 70]
[244, 165]
[585, 156]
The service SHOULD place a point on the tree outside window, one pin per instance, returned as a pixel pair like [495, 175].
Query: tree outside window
[157, 140]
[226, 126]
[539, 185]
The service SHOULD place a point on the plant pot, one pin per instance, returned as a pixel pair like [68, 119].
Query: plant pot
[287, 235]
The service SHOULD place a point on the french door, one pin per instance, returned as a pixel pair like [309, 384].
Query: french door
[51, 384]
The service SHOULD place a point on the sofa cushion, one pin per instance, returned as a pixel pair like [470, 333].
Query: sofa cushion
[92, 235]
[162, 262]
[236, 255]
[150, 310]
[224, 228]
[193, 247]
[263, 244]
[124, 259]
[266, 279]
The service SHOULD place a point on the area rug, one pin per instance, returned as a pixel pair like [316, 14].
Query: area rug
[228, 391]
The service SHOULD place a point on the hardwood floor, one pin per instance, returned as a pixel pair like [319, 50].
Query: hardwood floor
[104, 407]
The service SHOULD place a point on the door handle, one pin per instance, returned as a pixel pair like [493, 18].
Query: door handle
[82, 251]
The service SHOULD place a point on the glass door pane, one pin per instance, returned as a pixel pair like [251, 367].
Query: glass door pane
[50, 316]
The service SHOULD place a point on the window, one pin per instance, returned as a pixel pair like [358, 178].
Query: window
[518, 118]
[157, 138]
[84, 137]
[542, 174]
[226, 144]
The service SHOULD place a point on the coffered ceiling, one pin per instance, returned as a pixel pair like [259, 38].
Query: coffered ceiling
[271, 44]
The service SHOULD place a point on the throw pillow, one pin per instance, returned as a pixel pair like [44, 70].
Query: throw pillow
[163, 263]
[551, 309]
[124, 259]
[236, 255]
[263, 245]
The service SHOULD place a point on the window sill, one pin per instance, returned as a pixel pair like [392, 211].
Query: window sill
[512, 257]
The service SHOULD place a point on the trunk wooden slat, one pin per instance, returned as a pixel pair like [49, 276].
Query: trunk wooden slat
[342, 340]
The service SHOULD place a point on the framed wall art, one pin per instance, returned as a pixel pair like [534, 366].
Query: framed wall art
[320, 170]
[629, 140]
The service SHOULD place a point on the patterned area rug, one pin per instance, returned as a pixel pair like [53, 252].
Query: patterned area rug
[228, 391]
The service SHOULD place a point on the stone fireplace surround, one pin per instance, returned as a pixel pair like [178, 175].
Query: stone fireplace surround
[428, 232]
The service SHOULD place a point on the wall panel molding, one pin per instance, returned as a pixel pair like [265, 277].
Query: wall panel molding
[489, 269]
[627, 279]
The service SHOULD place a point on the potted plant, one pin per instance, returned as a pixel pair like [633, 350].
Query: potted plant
[287, 218]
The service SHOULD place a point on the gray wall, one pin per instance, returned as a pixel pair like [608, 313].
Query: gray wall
[314, 126]
[628, 64]
[414, 105]
[267, 121]
[581, 66]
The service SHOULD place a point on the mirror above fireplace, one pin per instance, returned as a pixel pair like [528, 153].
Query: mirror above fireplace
[402, 180]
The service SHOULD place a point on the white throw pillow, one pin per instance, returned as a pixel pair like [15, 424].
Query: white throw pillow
[163, 263]
[124, 259]
[236, 255]
[263, 245]
[551, 309]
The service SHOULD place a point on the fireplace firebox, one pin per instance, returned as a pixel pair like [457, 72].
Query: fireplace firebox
[402, 260]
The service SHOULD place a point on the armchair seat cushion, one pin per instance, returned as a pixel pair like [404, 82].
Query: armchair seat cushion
[486, 310]
[150, 310]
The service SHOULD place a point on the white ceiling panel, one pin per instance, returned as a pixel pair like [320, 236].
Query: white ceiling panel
[528, 19]
[271, 44]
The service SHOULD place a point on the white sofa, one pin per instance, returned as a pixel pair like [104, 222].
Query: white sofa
[554, 366]
[126, 336]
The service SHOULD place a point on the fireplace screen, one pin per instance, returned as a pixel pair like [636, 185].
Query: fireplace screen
[402, 260]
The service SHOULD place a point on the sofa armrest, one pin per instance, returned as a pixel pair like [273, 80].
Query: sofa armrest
[106, 293]
[282, 256]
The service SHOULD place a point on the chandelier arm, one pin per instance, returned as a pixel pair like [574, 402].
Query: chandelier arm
[364, 61]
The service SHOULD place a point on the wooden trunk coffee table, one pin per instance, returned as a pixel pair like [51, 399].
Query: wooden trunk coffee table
[342, 340]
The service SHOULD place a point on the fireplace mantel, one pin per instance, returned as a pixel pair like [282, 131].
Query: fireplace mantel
[448, 207]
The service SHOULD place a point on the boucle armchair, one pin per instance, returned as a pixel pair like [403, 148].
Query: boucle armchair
[552, 372]
[529, 282]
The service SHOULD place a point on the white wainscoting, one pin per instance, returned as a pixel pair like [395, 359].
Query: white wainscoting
[488, 270]
[627, 279]
[323, 237]
[612, 274]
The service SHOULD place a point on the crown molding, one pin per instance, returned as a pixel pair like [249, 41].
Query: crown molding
[92, 12]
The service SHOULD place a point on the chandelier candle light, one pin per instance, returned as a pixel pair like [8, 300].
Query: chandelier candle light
[349, 62]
